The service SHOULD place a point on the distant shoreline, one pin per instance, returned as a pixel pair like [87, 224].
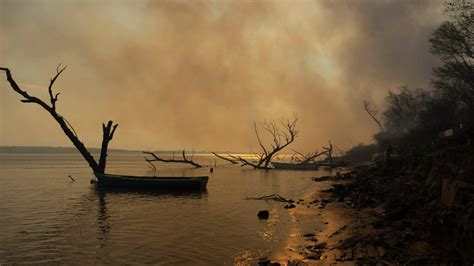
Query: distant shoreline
[52, 149]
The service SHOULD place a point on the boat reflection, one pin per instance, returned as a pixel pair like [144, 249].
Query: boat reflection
[104, 193]
[198, 193]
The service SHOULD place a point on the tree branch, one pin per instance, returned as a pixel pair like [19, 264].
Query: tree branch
[158, 159]
[310, 156]
[107, 135]
[54, 99]
[372, 113]
[245, 162]
[286, 130]
[224, 158]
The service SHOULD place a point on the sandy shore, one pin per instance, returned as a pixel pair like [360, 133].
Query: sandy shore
[347, 235]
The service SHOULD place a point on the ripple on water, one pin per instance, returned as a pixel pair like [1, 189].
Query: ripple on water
[45, 218]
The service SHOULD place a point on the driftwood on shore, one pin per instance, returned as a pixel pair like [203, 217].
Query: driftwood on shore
[274, 197]
[184, 159]
[107, 129]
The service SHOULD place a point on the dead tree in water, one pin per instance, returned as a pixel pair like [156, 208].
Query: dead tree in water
[108, 130]
[306, 158]
[172, 160]
[329, 154]
[282, 136]
[225, 158]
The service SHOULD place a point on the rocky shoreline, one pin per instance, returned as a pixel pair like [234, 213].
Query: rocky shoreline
[417, 210]
[424, 204]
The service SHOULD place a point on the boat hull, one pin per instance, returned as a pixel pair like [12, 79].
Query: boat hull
[292, 166]
[148, 182]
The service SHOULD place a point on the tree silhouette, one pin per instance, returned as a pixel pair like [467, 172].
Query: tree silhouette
[282, 135]
[453, 42]
[107, 129]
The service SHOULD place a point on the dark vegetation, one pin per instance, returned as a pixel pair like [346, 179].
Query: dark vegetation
[416, 117]
[426, 198]
[361, 153]
[426, 184]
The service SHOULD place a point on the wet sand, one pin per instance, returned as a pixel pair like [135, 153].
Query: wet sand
[347, 235]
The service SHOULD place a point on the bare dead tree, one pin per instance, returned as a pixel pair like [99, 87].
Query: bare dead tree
[329, 153]
[225, 158]
[306, 158]
[282, 135]
[185, 160]
[339, 150]
[108, 130]
[372, 112]
[294, 157]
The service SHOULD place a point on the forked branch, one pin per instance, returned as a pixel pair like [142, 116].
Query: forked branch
[282, 135]
[156, 158]
[306, 158]
[54, 98]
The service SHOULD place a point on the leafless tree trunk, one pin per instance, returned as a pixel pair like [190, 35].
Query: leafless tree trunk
[282, 136]
[372, 113]
[108, 130]
[156, 158]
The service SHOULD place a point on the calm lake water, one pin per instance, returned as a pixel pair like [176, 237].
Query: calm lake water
[46, 218]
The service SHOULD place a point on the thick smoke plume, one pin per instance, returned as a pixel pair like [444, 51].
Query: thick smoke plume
[183, 74]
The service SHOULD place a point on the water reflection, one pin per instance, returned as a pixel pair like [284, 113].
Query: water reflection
[269, 231]
[143, 192]
[46, 218]
[101, 193]
[102, 217]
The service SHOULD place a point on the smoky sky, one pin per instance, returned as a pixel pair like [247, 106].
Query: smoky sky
[196, 74]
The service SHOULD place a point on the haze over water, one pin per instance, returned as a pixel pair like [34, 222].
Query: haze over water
[47, 218]
[196, 74]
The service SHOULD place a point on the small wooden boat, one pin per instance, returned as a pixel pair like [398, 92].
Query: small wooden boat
[296, 166]
[152, 182]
